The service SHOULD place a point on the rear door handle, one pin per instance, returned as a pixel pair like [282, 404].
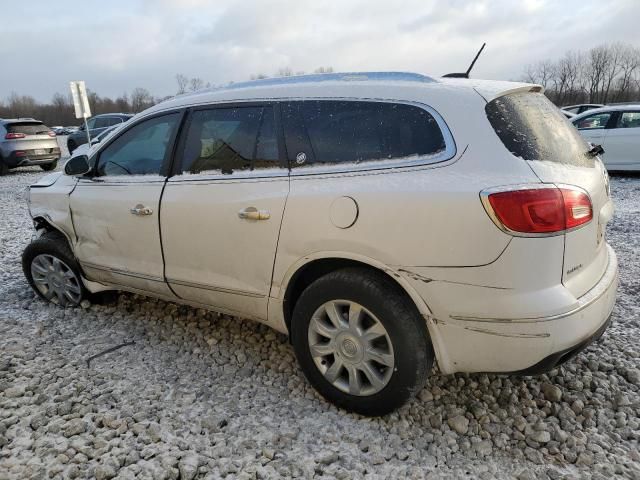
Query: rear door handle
[140, 210]
[252, 213]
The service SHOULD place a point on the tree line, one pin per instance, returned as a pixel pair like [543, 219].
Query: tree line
[60, 111]
[608, 73]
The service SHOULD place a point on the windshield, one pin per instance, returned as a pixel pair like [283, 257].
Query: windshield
[532, 128]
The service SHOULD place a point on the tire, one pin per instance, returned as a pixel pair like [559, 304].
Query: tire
[4, 169]
[47, 167]
[71, 146]
[406, 339]
[48, 250]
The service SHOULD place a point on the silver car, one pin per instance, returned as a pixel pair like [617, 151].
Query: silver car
[26, 142]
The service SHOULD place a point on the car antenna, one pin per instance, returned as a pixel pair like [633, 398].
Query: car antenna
[466, 74]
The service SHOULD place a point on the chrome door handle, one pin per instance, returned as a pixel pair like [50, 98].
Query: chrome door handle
[140, 210]
[252, 213]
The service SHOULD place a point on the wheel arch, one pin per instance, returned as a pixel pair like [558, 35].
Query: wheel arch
[307, 270]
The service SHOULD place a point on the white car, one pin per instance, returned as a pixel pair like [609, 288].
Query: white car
[617, 129]
[583, 107]
[383, 220]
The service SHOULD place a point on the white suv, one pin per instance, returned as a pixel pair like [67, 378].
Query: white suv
[384, 220]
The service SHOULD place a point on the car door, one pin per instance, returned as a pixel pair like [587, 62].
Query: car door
[594, 127]
[622, 142]
[115, 210]
[221, 212]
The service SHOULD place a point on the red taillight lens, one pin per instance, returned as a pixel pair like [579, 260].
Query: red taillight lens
[20, 153]
[12, 136]
[52, 133]
[541, 210]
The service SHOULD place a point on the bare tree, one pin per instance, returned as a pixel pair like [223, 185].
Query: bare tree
[284, 72]
[196, 83]
[140, 99]
[323, 70]
[183, 81]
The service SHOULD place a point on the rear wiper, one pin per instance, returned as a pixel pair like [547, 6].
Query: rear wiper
[595, 151]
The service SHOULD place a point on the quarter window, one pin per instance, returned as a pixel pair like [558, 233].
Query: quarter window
[594, 122]
[141, 150]
[225, 140]
[629, 120]
[323, 131]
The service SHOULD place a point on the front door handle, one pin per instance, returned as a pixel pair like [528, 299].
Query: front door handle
[252, 213]
[140, 210]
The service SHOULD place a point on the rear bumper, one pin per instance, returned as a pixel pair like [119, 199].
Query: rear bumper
[529, 344]
[13, 161]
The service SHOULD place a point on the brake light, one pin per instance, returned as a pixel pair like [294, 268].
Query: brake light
[51, 133]
[20, 153]
[540, 210]
[13, 136]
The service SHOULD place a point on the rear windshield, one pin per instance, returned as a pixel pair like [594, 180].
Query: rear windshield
[531, 127]
[29, 128]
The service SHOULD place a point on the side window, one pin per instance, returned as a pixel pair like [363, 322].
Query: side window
[91, 123]
[140, 150]
[596, 121]
[629, 120]
[114, 121]
[226, 140]
[323, 131]
[102, 122]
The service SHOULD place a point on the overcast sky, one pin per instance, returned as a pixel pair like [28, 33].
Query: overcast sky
[118, 45]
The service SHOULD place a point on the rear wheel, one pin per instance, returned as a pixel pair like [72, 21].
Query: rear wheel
[47, 167]
[52, 270]
[360, 341]
[4, 169]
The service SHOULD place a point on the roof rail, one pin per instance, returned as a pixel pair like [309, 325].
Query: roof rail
[331, 77]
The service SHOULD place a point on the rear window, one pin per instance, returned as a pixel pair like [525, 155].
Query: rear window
[28, 128]
[532, 128]
[327, 131]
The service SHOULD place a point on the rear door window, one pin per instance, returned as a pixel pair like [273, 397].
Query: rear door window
[532, 128]
[226, 140]
[338, 132]
[629, 120]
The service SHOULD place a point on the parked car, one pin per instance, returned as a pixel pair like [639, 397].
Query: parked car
[70, 130]
[383, 220]
[84, 148]
[25, 142]
[583, 107]
[96, 125]
[58, 130]
[617, 129]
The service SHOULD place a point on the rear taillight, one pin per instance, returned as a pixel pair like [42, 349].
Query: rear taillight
[540, 211]
[52, 133]
[13, 136]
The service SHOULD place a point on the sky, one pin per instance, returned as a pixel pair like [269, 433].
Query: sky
[118, 45]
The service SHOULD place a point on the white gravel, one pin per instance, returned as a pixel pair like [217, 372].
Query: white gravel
[206, 396]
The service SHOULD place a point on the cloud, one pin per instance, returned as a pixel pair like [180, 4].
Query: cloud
[119, 45]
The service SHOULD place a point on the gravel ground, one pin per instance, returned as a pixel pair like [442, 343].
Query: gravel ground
[201, 395]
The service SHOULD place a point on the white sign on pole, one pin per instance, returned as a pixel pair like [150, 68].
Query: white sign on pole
[81, 104]
[80, 100]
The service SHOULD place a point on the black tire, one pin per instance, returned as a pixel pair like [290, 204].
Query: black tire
[54, 244]
[71, 146]
[47, 167]
[4, 169]
[407, 330]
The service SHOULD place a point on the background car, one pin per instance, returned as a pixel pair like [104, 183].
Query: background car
[568, 114]
[25, 142]
[58, 130]
[96, 126]
[583, 107]
[84, 148]
[617, 129]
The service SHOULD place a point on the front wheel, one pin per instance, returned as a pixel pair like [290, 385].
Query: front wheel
[52, 270]
[360, 341]
[47, 167]
[71, 146]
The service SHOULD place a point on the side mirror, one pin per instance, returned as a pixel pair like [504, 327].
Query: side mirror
[77, 166]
